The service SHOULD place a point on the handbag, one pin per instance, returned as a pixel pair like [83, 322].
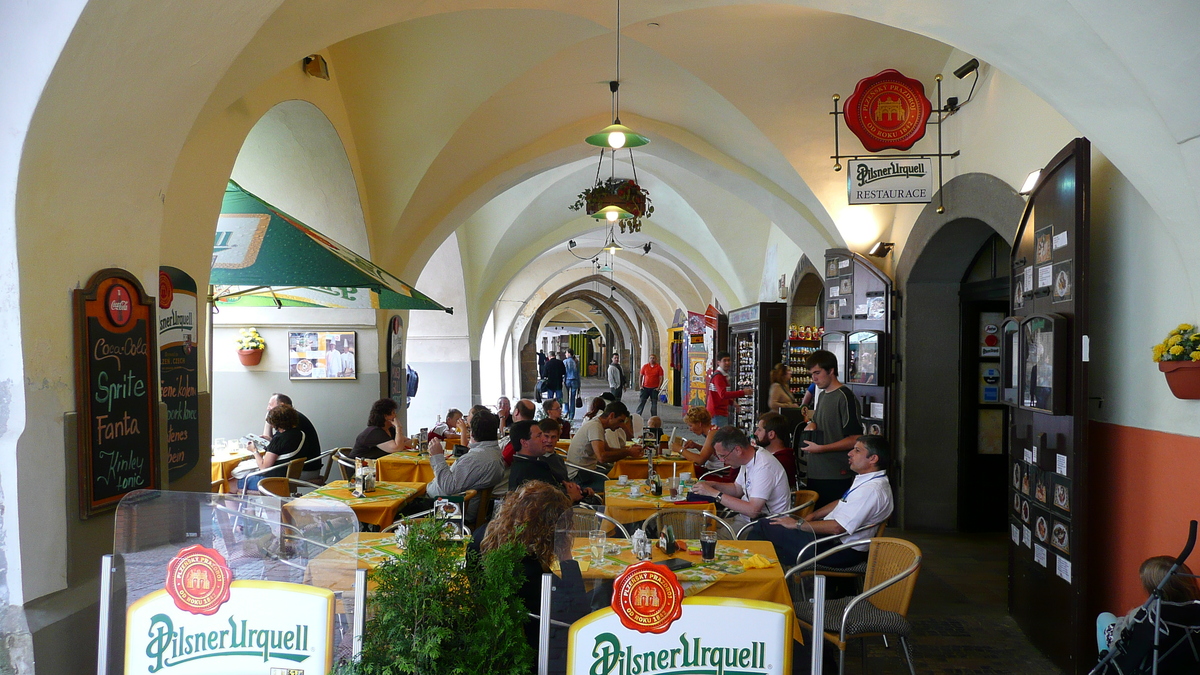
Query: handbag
[245, 468]
[578, 401]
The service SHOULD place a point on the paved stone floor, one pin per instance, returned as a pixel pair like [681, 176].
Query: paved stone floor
[959, 610]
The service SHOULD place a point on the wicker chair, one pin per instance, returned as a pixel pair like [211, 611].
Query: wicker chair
[687, 524]
[585, 519]
[882, 609]
[813, 567]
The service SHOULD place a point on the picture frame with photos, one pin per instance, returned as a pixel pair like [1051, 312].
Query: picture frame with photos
[322, 355]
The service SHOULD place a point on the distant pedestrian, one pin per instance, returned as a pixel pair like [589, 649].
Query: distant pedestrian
[652, 382]
[616, 377]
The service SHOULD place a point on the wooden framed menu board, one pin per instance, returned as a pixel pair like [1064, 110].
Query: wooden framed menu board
[116, 390]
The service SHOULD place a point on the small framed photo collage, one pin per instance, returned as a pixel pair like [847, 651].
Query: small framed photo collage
[1040, 520]
[321, 355]
[839, 288]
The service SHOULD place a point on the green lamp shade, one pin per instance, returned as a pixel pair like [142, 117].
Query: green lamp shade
[603, 139]
[617, 212]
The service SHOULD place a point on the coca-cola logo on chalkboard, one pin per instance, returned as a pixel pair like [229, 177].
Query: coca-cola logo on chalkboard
[118, 305]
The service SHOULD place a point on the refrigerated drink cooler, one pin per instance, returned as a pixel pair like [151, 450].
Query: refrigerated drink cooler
[757, 335]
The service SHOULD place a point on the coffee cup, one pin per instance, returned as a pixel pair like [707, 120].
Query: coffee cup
[635, 491]
[623, 479]
[685, 476]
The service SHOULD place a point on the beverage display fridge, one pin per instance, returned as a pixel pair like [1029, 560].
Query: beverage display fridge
[756, 338]
[801, 341]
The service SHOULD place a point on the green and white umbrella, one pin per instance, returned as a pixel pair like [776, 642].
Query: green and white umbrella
[264, 257]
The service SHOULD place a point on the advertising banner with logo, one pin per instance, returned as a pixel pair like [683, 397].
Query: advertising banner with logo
[890, 181]
[178, 362]
[652, 629]
[235, 593]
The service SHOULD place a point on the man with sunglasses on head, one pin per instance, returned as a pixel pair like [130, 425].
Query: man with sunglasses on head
[868, 502]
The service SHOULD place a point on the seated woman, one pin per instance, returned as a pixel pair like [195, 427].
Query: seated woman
[597, 407]
[699, 422]
[780, 395]
[287, 441]
[1132, 635]
[383, 434]
[531, 515]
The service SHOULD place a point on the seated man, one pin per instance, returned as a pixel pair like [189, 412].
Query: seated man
[527, 438]
[479, 469]
[312, 444]
[769, 433]
[761, 487]
[558, 466]
[867, 502]
[589, 449]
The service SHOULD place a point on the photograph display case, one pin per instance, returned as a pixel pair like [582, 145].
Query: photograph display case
[756, 337]
[1044, 363]
[862, 357]
[858, 318]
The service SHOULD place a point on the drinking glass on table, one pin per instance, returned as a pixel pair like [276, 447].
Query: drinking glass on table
[596, 542]
[708, 545]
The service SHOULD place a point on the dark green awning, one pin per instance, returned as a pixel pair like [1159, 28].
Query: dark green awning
[262, 257]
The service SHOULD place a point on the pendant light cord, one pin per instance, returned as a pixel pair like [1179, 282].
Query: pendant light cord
[617, 90]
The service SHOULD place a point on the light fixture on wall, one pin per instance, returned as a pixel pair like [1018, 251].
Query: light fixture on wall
[314, 65]
[881, 249]
[967, 68]
[1030, 182]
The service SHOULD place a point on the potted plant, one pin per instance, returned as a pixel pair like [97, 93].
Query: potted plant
[250, 346]
[1178, 357]
[433, 615]
[621, 192]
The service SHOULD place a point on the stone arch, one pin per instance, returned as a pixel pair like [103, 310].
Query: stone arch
[613, 313]
[642, 311]
[929, 273]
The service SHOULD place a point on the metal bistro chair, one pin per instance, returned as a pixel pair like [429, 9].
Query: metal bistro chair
[586, 518]
[687, 524]
[586, 470]
[882, 609]
[802, 505]
[322, 465]
[283, 488]
[279, 462]
[345, 463]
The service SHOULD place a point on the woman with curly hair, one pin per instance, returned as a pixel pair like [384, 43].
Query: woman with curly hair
[699, 422]
[531, 515]
[383, 434]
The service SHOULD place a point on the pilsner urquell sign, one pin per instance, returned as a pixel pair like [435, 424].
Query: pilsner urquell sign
[203, 621]
[651, 629]
[890, 181]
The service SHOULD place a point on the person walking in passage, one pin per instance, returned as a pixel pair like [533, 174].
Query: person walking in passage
[571, 383]
[616, 377]
[652, 382]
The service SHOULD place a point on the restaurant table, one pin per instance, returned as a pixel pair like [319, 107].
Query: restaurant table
[619, 505]
[637, 469]
[331, 569]
[223, 463]
[378, 507]
[723, 577]
[407, 467]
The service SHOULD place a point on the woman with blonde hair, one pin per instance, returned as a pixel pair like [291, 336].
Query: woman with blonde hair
[780, 396]
[699, 422]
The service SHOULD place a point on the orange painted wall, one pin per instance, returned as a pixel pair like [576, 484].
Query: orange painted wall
[1144, 488]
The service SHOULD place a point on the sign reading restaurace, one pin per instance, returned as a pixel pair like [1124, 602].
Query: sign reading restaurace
[890, 181]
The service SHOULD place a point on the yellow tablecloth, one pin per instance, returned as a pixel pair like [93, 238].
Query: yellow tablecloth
[332, 568]
[723, 577]
[378, 507]
[224, 463]
[619, 505]
[636, 469]
[407, 467]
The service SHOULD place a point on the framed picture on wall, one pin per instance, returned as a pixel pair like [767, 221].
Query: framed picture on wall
[321, 355]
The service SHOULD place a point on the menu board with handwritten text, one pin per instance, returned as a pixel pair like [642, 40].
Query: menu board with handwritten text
[116, 385]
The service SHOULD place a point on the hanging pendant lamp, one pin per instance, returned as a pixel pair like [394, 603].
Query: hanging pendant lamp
[616, 135]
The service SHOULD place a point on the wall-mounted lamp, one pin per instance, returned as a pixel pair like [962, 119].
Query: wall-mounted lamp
[1030, 182]
[881, 249]
[314, 66]
[646, 249]
[967, 68]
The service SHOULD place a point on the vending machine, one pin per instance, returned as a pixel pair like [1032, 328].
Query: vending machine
[756, 337]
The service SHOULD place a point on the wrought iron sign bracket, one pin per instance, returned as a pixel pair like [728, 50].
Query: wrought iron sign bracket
[942, 115]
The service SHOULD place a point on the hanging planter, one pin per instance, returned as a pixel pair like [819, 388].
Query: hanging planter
[622, 193]
[1178, 359]
[250, 346]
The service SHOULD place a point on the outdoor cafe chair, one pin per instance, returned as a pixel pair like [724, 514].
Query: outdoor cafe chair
[882, 609]
[279, 462]
[587, 470]
[813, 568]
[686, 524]
[345, 463]
[802, 504]
[284, 488]
[322, 465]
[586, 518]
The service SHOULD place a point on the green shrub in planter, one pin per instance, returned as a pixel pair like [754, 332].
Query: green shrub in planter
[431, 615]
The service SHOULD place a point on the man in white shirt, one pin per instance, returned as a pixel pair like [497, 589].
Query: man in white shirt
[761, 487]
[867, 503]
[589, 448]
[333, 360]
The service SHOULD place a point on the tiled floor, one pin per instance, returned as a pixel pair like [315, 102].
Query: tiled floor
[959, 609]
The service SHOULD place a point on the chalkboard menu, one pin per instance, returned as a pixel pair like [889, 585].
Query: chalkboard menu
[116, 385]
[179, 356]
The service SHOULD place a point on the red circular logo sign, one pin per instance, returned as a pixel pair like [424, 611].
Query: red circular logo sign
[888, 110]
[118, 304]
[199, 580]
[166, 290]
[647, 598]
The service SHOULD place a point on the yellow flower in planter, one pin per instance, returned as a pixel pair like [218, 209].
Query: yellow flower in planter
[1158, 351]
[1184, 327]
[1195, 355]
[1174, 340]
[1176, 350]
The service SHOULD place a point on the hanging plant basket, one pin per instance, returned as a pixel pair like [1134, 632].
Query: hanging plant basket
[250, 357]
[1183, 377]
[620, 192]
